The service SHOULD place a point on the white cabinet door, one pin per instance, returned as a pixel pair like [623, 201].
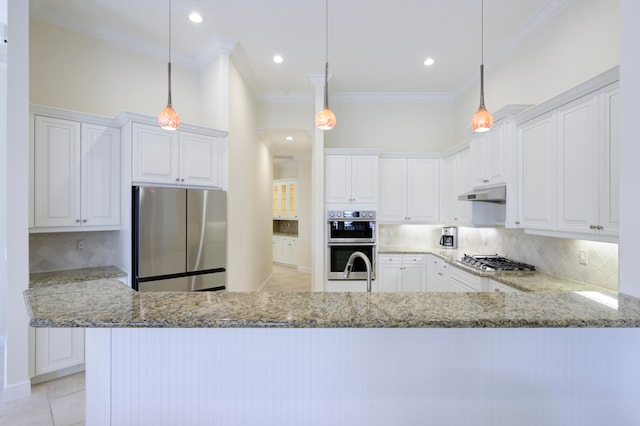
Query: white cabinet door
[100, 153]
[364, 179]
[537, 146]
[76, 174]
[457, 181]
[389, 276]
[609, 154]
[577, 198]
[57, 172]
[155, 155]
[457, 286]
[338, 179]
[423, 190]
[480, 150]
[393, 190]
[58, 348]
[351, 179]
[409, 190]
[414, 273]
[437, 274]
[489, 157]
[199, 160]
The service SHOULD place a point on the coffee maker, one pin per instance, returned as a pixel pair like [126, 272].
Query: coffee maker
[449, 238]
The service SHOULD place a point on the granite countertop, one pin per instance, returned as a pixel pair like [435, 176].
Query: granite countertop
[523, 281]
[37, 279]
[108, 303]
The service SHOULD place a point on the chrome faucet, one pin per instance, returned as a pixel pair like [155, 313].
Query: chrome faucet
[347, 268]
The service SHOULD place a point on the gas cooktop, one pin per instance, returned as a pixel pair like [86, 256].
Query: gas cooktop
[495, 263]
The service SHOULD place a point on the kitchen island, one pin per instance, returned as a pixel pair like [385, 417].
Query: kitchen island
[348, 358]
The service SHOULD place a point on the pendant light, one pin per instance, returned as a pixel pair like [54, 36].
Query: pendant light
[326, 119]
[482, 119]
[168, 119]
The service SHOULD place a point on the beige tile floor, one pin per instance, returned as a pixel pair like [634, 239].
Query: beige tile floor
[60, 402]
[287, 279]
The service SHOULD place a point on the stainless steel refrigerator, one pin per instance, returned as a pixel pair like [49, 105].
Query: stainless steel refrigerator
[179, 239]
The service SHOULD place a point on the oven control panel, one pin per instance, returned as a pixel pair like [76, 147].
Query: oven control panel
[351, 214]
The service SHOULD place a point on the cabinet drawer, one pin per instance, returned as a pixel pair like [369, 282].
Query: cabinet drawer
[414, 259]
[389, 258]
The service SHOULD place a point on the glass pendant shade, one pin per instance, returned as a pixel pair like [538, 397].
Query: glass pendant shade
[325, 119]
[168, 119]
[482, 120]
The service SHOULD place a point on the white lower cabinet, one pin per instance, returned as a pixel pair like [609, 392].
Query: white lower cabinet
[398, 272]
[285, 250]
[444, 278]
[57, 349]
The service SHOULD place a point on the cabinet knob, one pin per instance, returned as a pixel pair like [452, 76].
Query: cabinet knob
[84, 220]
[485, 180]
[600, 227]
[77, 220]
[177, 179]
[517, 222]
[440, 273]
[182, 180]
[593, 227]
[497, 290]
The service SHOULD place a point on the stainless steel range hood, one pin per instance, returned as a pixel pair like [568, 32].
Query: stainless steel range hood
[497, 194]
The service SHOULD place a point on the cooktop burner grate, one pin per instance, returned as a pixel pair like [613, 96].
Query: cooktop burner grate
[495, 263]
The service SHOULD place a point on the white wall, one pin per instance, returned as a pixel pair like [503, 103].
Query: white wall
[392, 126]
[303, 200]
[3, 199]
[250, 192]
[16, 256]
[629, 246]
[81, 73]
[580, 43]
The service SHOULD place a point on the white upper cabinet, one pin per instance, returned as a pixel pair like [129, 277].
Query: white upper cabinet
[76, 175]
[457, 181]
[609, 154]
[489, 156]
[409, 190]
[174, 157]
[569, 158]
[537, 190]
[351, 179]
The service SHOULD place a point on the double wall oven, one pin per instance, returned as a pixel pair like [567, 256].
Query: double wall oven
[348, 232]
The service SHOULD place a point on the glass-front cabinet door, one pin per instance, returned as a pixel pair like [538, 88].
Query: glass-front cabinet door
[284, 199]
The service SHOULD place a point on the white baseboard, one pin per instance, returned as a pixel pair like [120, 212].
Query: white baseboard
[17, 391]
[57, 374]
[305, 269]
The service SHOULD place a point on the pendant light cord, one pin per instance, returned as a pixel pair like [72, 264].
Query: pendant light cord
[482, 53]
[169, 69]
[326, 55]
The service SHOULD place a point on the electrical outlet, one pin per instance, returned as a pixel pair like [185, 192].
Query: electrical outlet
[79, 244]
[582, 257]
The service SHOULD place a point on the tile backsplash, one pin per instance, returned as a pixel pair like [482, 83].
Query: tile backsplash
[58, 251]
[556, 256]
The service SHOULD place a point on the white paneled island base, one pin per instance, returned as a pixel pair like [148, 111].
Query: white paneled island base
[353, 376]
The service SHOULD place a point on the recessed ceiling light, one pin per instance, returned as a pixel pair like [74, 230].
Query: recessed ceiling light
[429, 61]
[195, 17]
[278, 59]
[289, 138]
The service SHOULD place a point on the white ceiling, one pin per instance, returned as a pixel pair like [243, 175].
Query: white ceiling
[375, 46]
